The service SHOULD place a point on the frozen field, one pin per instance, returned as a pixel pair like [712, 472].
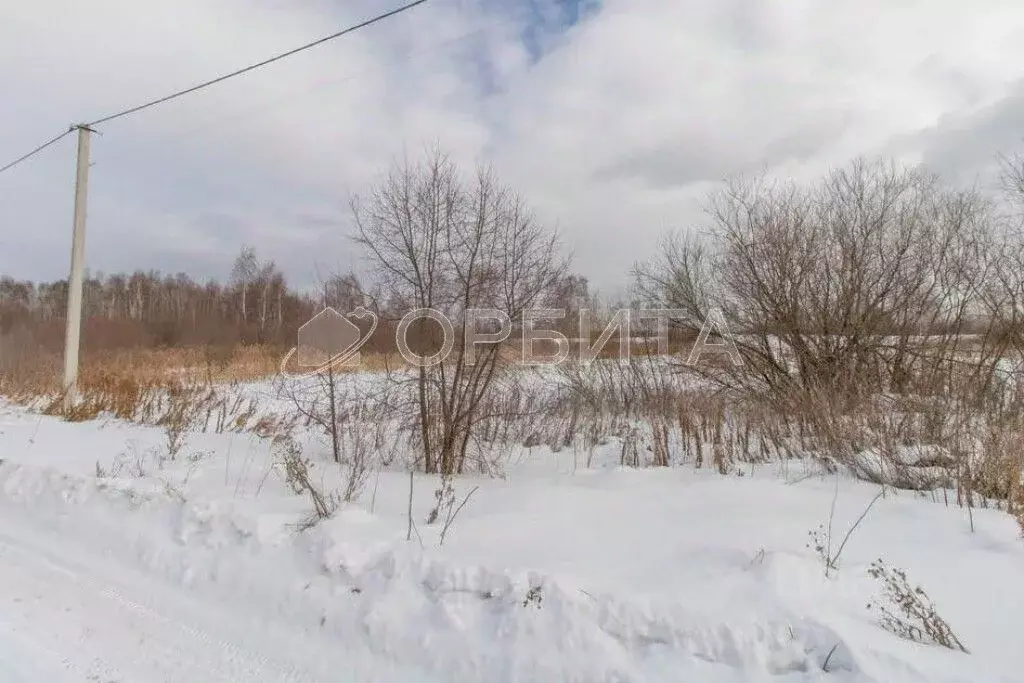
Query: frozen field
[194, 570]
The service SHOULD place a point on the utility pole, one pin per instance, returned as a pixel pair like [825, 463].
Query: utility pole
[73, 332]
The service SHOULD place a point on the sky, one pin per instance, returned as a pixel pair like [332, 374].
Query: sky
[612, 118]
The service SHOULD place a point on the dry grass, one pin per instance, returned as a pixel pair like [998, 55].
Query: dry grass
[40, 375]
[179, 390]
[908, 612]
[942, 437]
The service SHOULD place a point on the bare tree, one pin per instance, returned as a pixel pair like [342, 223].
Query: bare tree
[436, 240]
[342, 292]
[243, 272]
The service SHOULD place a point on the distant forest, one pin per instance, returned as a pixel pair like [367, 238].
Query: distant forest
[152, 309]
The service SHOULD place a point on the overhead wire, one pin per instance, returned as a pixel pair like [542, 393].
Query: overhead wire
[239, 72]
[37, 150]
[219, 79]
[252, 67]
[296, 94]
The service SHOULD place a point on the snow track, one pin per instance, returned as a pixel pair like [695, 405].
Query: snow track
[113, 631]
[64, 619]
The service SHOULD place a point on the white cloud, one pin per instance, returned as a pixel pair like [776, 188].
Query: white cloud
[613, 132]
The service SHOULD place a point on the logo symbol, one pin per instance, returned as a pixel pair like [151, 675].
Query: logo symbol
[329, 340]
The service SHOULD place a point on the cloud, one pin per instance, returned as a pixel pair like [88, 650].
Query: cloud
[611, 118]
[965, 146]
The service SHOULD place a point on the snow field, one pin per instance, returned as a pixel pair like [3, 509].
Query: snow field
[547, 574]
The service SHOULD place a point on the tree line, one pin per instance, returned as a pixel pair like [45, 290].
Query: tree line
[147, 309]
[120, 310]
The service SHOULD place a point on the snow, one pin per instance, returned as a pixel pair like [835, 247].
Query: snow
[197, 572]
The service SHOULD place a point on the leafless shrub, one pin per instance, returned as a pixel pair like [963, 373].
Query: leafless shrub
[178, 422]
[643, 401]
[879, 316]
[297, 474]
[359, 430]
[821, 537]
[445, 510]
[818, 282]
[359, 446]
[908, 612]
[194, 462]
[174, 491]
[135, 462]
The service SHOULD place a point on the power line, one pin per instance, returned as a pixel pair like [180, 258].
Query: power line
[206, 84]
[38, 149]
[265, 62]
[293, 95]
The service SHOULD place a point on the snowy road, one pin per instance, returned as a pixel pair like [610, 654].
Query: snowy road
[95, 629]
[61, 620]
[26, 661]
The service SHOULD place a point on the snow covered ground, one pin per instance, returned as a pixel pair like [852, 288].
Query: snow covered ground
[196, 572]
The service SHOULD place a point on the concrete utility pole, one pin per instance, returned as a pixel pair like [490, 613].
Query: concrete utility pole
[73, 332]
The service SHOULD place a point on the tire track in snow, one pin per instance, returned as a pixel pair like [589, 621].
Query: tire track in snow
[44, 521]
[25, 660]
[187, 651]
